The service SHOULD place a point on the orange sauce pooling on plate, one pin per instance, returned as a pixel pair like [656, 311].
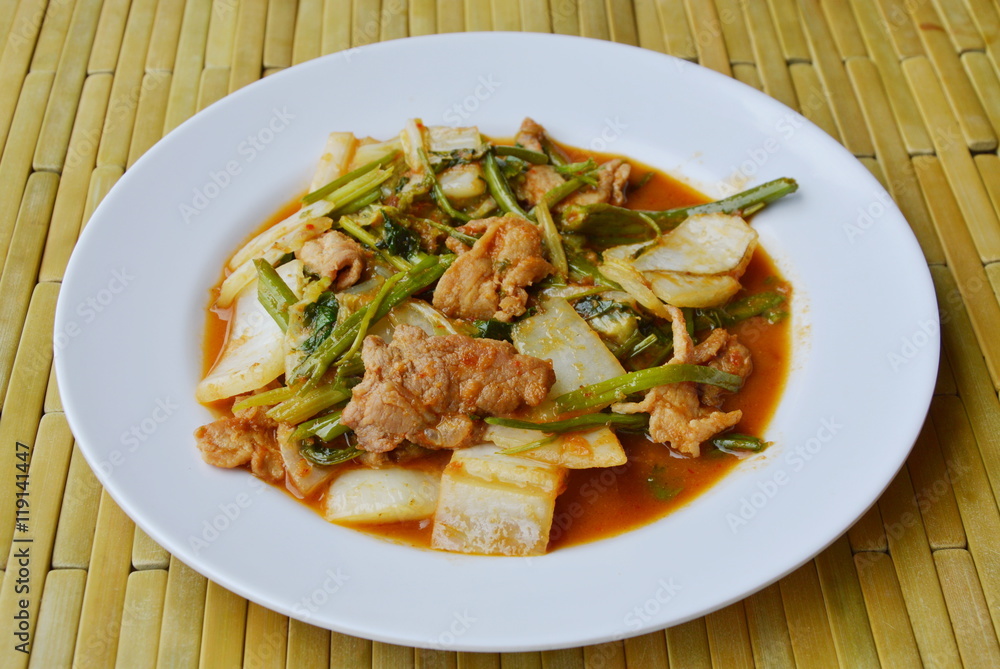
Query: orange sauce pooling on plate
[600, 503]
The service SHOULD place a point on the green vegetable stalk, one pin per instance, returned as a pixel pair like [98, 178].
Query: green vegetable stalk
[273, 293]
[607, 225]
[614, 390]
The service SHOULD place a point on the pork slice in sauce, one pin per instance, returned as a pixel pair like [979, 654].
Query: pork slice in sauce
[426, 390]
[488, 280]
[246, 437]
[612, 176]
[732, 357]
[335, 255]
[677, 415]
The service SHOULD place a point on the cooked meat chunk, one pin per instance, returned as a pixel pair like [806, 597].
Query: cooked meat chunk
[676, 415]
[247, 436]
[612, 177]
[488, 280]
[422, 389]
[734, 358]
[335, 255]
[538, 180]
[530, 135]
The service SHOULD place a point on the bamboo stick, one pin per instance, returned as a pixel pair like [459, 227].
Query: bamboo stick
[970, 616]
[78, 518]
[22, 409]
[163, 41]
[768, 628]
[960, 251]
[188, 63]
[58, 619]
[183, 617]
[900, 176]
[108, 38]
[141, 616]
[729, 638]
[915, 572]
[224, 628]
[931, 479]
[887, 611]
[52, 36]
[18, 281]
[687, 645]
[845, 606]
[808, 622]
[104, 599]
[31, 549]
[15, 165]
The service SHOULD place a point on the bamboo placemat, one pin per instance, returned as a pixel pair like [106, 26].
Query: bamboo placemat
[911, 87]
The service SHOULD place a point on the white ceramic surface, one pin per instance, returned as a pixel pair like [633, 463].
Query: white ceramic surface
[131, 313]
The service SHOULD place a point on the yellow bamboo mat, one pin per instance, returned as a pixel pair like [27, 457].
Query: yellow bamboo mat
[911, 87]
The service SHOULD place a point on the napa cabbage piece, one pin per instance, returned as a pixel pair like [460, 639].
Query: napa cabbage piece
[417, 313]
[597, 447]
[294, 231]
[368, 151]
[463, 182]
[579, 358]
[387, 495]
[697, 264]
[634, 283]
[495, 504]
[253, 354]
[557, 333]
[306, 478]
[335, 159]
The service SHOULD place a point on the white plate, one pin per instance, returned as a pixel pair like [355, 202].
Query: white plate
[132, 310]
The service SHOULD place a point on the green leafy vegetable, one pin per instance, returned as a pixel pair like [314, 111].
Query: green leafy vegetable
[320, 318]
[325, 428]
[325, 456]
[493, 329]
[398, 239]
[420, 276]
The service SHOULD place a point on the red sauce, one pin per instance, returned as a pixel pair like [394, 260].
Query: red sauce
[600, 503]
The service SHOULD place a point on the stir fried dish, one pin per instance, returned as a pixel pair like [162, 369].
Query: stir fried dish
[492, 347]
